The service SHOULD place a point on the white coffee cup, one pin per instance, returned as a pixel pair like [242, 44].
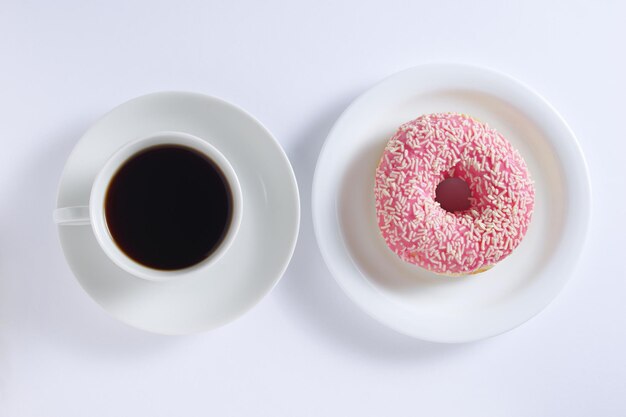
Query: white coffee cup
[94, 213]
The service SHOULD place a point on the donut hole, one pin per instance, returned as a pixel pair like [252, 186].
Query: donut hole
[453, 194]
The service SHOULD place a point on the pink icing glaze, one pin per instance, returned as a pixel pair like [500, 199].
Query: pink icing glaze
[428, 150]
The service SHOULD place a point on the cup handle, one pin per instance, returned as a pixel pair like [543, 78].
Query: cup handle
[72, 216]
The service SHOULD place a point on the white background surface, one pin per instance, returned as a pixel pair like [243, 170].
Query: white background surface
[305, 350]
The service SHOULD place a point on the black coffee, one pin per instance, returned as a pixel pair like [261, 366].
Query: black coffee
[168, 207]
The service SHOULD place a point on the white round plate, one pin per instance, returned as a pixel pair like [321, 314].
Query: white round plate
[262, 248]
[410, 299]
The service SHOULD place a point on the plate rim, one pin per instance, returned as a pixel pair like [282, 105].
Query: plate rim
[583, 190]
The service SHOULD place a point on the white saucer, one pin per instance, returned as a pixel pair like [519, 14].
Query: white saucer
[262, 248]
[405, 297]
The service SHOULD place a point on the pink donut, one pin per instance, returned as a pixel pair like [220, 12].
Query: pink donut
[429, 150]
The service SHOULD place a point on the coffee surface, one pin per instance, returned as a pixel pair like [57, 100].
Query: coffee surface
[168, 207]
